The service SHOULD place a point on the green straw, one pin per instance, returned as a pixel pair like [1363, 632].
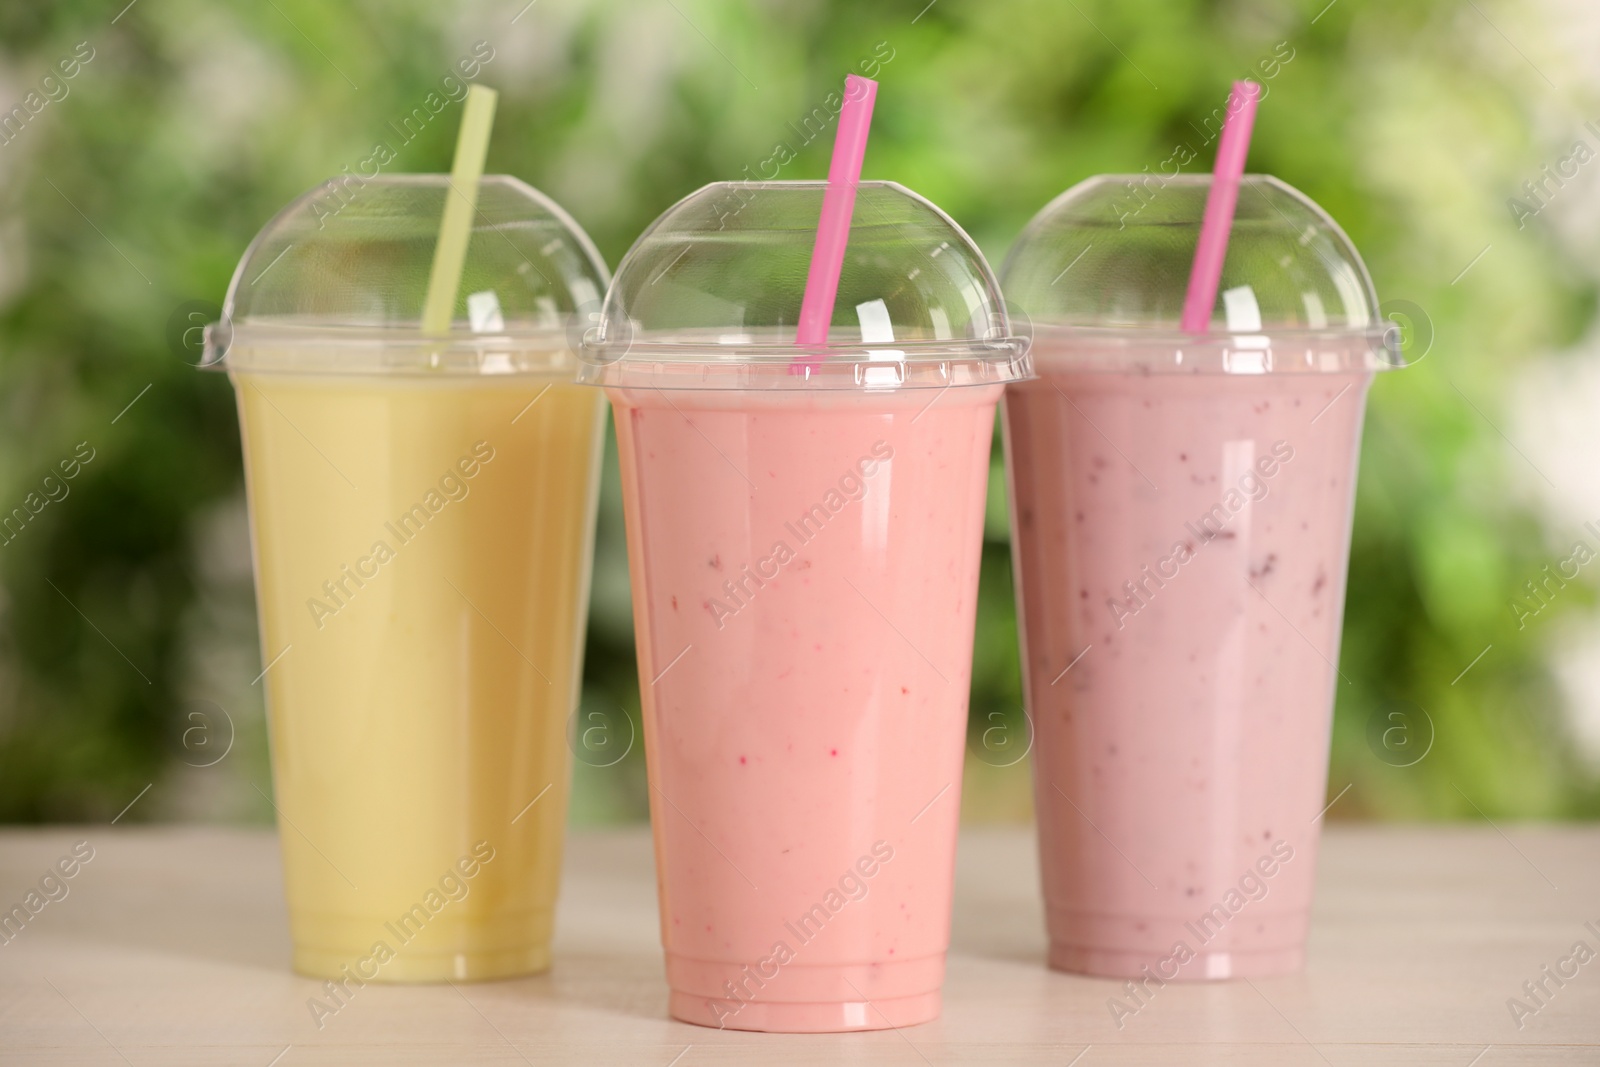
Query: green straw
[450, 254]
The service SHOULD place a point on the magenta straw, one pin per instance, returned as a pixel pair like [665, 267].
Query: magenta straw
[833, 228]
[1232, 149]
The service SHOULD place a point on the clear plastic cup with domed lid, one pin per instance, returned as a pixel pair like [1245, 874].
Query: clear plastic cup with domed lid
[422, 504]
[1181, 511]
[804, 527]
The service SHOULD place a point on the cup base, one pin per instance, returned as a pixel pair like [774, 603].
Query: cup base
[805, 1018]
[798, 998]
[409, 965]
[1202, 967]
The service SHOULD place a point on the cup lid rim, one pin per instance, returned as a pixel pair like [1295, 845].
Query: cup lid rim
[1163, 332]
[721, 351]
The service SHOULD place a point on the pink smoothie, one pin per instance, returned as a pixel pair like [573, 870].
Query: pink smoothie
[805, 568]
[1181, 543]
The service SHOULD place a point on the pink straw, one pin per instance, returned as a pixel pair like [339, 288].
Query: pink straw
[1232, 149]
[838, 204]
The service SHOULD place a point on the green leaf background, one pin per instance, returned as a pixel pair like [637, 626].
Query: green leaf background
[1412, 123]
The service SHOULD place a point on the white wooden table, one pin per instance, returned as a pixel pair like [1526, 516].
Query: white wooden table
[171, 949]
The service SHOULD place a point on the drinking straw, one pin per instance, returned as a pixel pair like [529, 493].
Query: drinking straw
[1232, 148]
[460, 204]
[838, 204]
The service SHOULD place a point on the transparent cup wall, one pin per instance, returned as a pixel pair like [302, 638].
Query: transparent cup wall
[804, 529]
[1181, 512]
[422, 514]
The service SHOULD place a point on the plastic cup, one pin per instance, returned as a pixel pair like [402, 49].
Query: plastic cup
[1181, 509]
[421, 513]
[804, 547]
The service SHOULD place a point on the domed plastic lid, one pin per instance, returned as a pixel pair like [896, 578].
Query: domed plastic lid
[337, 281]
[1103, 270]
[709, 297]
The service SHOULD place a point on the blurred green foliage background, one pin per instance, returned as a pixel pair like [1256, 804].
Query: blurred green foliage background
[126, 607]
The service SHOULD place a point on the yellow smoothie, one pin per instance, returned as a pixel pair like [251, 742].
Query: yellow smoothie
[422, 551]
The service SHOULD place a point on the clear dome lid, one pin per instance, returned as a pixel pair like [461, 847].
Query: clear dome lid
[709, 297]
[337, 281]
[1101, 274]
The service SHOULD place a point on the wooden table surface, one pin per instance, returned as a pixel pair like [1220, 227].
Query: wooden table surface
[171, 949]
